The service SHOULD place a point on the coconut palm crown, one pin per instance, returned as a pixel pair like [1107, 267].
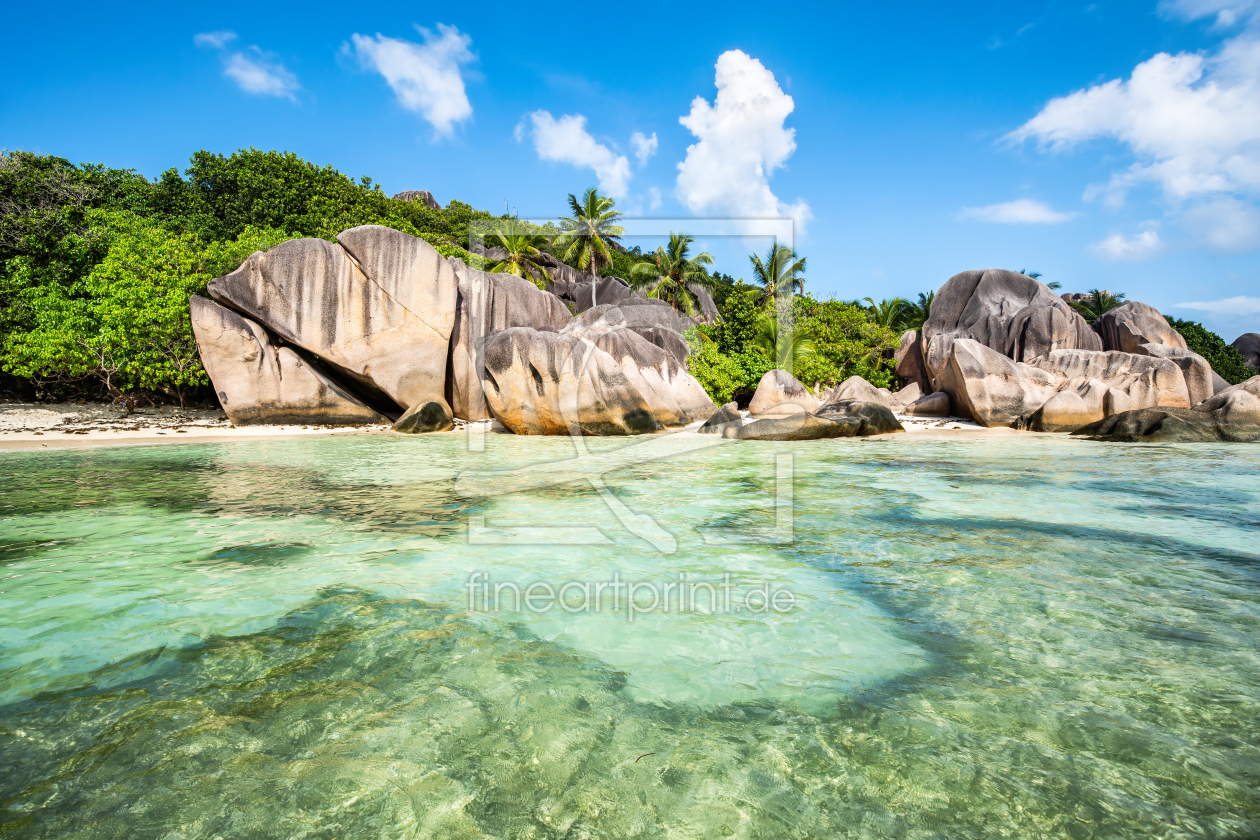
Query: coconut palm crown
[585, 236]
[523, 253]
[1099, 302]
[779, 273]
[669, 274]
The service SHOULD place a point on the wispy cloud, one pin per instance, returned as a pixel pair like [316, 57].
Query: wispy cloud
[215, 40]
[1239, 305]
[253, 70]
[427, 78]
[1129, 248]
[741, 139]
[1021, 211]
[566, 140]
[644, 147]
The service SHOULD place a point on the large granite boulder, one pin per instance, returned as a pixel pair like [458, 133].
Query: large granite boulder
[1010, 313]
[1132, 324]
[1201, 381]
[708, 313]
[377, 305]
[487, 303]
[872, 417]
[779, 392]
[727, 415]
[258, 382]
[994, 390]
[1249, 345]
[636, 313]
[674, 397]
[909, 359]
[551, 383]
[422, 196]
[935, 404]
[1172, 425]
[1147, 380]
[1078, 403]
[591, 292]
[857, 388]
[1250, 386]
[796, 427]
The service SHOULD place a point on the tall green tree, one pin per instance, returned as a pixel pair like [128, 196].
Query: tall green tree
[779, 273]
[895, 314]
[585, 235]
[671, 275]
[783, 341]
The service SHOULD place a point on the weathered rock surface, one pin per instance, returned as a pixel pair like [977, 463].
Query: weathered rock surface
[935, 404]
[796, 427]
[589, 292]
[873, 418]
[1171, 425]
[1250, 386]
[424, 417]
[778, 389]
[727, 415]
[673, 395]
[378, 305]
[636, 313]
[1010, 313]
[1078, 403]
[909, 359]
[857, 388]
[1201, 380]
[910, 393]
[1249, 345]
[423, 196]
[551, 383]
[1148, 380]
[1132, 324]
[993, 389]
[488, 303]
[260, 383]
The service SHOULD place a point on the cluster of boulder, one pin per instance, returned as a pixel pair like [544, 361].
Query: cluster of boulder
[379, 327]
[1005, 350]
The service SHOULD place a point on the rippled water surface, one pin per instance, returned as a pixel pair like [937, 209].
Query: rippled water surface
[1023, 637]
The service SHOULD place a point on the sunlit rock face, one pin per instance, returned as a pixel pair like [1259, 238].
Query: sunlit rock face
[1008, 312]
[377, 305]
[258, 382]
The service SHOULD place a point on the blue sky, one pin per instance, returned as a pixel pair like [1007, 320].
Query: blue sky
[1111, 145]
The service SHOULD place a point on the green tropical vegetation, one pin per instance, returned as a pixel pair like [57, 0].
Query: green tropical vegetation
[672, 275]
[524, 252]
[585, 236]
[1097, 304]
[779, 273]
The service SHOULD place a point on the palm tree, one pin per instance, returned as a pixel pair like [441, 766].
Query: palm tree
[585, 236]
[1098, 302]
[779, 273]
[916, 314]
[893, 314]
[523, 252]
[784, 344]
[670, 275]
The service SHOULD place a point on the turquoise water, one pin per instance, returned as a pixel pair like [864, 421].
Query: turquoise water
[1025, 637]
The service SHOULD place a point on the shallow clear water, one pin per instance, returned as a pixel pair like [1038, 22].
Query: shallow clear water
[1027, 637]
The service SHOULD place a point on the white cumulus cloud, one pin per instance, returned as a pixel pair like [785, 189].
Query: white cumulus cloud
[1022, 211]
[644, 147]
[1191, 122]
[1239, 305]
[742, 140]
[253, 70]
[1129, 248]
[566, 140]
[427, 78]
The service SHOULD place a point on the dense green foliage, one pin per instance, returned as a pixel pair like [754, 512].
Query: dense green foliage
[824, 342]
[1224, 359]
[1097, 304]
[671, 274]
[96, 264]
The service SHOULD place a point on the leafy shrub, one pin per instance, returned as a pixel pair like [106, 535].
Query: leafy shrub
[1224, 359]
